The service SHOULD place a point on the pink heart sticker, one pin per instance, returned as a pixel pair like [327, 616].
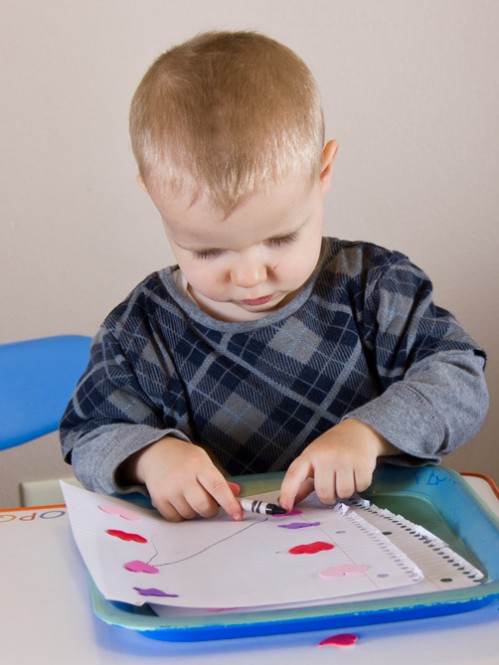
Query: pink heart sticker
[292, 513]
[340, 570]
[141, 567]
[113, 509]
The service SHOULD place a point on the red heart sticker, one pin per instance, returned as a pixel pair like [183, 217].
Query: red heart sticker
[311, 548]
[124, 535]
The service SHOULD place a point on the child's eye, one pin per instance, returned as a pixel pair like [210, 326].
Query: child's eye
[207, 253]
[283, 240]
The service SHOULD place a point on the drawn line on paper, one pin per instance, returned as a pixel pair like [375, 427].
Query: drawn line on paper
[205, 549]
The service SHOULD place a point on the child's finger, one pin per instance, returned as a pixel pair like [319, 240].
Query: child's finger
[295, 476]
[306, 488]
[325, 485]
[217, 486]
[345, 484]
[173, 511]
[235, 488]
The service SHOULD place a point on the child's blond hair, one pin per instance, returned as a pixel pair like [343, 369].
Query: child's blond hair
[224, 114]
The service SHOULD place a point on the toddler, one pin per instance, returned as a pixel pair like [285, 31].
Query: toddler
[266, 347]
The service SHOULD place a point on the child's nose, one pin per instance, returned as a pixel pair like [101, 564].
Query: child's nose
[248, 272]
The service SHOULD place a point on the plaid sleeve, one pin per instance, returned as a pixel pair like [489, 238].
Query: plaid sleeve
[111, 416]
[434, 392]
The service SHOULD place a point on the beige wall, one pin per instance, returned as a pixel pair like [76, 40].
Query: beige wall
[410, 92]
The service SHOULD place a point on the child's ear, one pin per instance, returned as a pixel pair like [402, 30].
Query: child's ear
[141, 182]
[328, 157]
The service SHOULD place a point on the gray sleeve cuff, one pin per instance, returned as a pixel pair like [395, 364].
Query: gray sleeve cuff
[96, 457]
[439, 405]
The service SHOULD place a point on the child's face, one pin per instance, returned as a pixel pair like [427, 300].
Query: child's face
[255, 260]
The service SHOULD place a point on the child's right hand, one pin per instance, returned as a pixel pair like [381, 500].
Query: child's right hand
[182, 481]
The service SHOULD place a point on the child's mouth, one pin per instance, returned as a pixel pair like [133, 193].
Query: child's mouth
[253, 302]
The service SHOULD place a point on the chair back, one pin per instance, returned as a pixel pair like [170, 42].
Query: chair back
[37, 379]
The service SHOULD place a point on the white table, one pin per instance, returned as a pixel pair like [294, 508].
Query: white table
[46, 618]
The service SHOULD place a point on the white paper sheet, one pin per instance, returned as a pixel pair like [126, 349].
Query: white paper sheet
[220, 564]
[442, 568]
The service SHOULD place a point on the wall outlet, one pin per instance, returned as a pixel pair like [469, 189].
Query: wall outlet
[43, 492]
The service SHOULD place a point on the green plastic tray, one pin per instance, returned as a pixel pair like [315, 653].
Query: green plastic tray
[437, 498]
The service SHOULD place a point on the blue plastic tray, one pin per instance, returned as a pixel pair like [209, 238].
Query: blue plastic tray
[435, 497]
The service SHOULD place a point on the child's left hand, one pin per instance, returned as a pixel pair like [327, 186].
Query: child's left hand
[336, 465]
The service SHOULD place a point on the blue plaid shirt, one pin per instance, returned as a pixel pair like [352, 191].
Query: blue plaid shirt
[362, 339]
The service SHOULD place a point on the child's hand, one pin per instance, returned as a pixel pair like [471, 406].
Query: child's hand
[183, 481]
[337, 464]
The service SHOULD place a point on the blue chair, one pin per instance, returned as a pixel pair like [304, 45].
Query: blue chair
[37, 378]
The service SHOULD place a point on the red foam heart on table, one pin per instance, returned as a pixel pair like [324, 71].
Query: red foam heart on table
[341, 640]
[311, 548]
[124, 535]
